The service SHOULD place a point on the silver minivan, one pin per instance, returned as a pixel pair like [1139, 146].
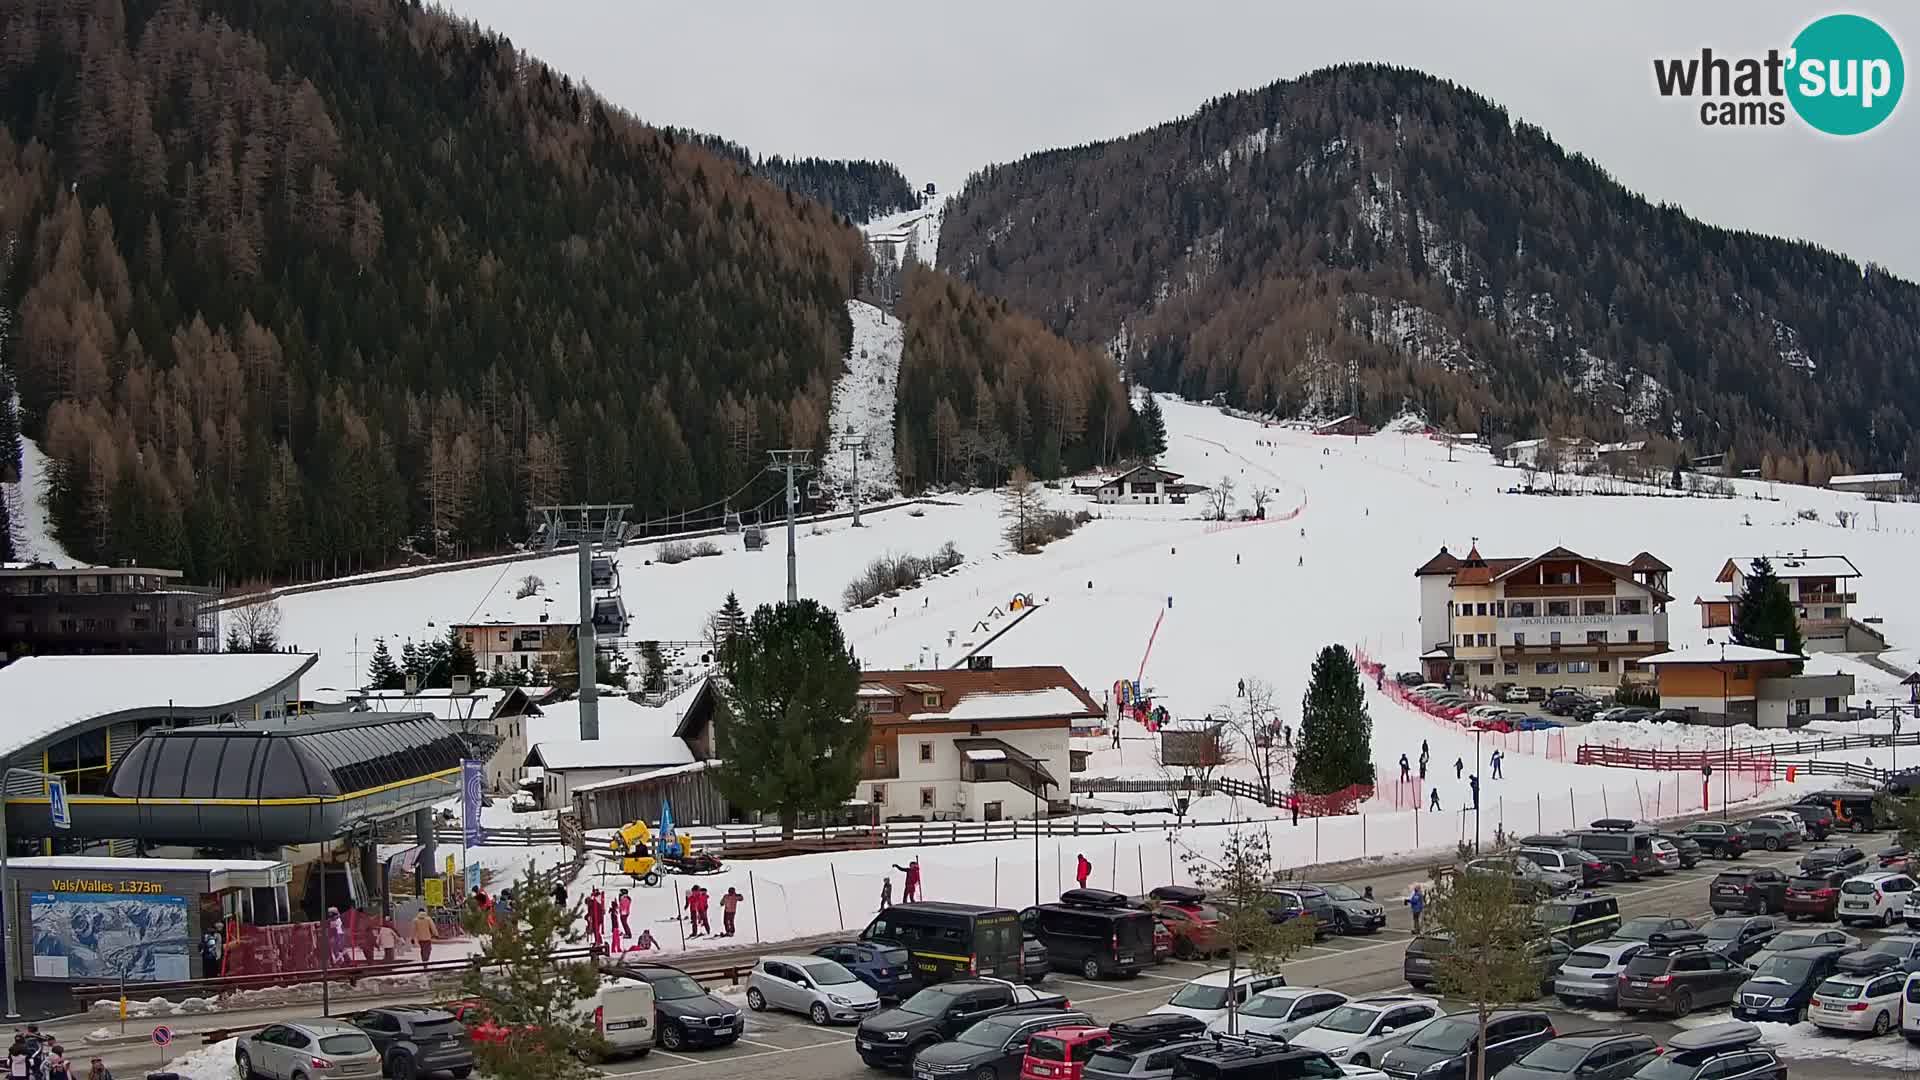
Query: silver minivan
[815, 986]
[307, 1050]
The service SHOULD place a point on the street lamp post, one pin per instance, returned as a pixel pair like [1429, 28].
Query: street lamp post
[1726, 732]
[6, 889]
[1479, 766]
[1039, 794]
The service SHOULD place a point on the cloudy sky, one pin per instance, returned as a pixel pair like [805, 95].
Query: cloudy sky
[942, 89]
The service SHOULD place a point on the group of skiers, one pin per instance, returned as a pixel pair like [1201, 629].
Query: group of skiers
[698, 900]
[1495, 760]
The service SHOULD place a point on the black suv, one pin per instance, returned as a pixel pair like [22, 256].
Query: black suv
[1675, 973]
[1685, 846]
[1819, 819]
[684, 1014]
[1092, 931]
[1757, 890]
[994, 1047]
[1444, 1049]
[1730, 1051]
[1590, 1055]
[1781, 986]
[1236, 1058]
[1738, 937]
[891, 1038]
[415, 1040]
[1848, 858]
[1722, 840]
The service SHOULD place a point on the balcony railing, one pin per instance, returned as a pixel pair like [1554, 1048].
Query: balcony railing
[1807, 597]
[1011, 772]
[1603, 648]
[1587, 588]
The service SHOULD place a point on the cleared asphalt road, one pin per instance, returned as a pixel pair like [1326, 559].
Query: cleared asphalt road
[779, 1046]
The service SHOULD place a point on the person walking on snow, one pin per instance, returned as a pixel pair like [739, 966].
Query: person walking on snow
[886, 892]
[423, 934]
[910, 890]
[1498, 757]
[1459, 768]
[626, 908]
[1406, 770]
[729, 904]
[1416, 904]
[693, 912]
[1081, 868]
[1473, 785]
[1293, 803]
[1433, 799]
[706, 910]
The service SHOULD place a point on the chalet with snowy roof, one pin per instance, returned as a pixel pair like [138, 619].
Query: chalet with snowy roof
[978, 744]
[570, 764]
[1556, 619]
[1147, 484]
[1890, 485]
[1726, 683]
[1344, 425]
[1823, 593]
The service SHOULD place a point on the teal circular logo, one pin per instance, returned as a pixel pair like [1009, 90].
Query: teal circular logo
[1847, 74]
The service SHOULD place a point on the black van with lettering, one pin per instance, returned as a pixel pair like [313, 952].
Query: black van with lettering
[953, 941]
[1094, 932]
[1851, 810]
[1581, 919]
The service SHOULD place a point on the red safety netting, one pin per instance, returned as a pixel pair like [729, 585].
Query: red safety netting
[1546, 742]
[310, 946]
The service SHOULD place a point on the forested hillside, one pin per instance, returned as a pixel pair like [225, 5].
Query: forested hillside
[299, 287]
[859, 190]
[983, 389]
[1379, 229]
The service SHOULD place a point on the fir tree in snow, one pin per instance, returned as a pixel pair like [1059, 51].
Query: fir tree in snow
[1153, 429]
[1766, 619]
[793, 739]
[460, 661]
[1335, 748]
[382, 672]
[541, 1004]
[653, 677]
[1021, 504]
[413, 661]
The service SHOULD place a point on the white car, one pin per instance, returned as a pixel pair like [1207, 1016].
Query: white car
[1515, 695]
[1860, 1003]
[1268, 1011]
[1363, 1030]
[1666, 855]
[813, 986]
[1206, 997]
[1910, 1021]
[1876, 898]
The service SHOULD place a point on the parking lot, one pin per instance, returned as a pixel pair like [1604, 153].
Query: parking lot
[778, 1046]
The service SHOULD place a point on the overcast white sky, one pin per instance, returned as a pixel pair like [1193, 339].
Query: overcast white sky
[942, 89]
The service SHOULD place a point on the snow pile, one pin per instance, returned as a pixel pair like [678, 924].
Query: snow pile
[863, 402]
[214, 1062]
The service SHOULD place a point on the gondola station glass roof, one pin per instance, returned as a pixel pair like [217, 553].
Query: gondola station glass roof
[327, 758]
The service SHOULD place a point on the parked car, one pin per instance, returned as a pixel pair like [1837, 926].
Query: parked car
[1270, 1011]
[995, 1048]
[885, 967]
[1092, 931]
[1643, 927]
[1515, 695]
[1591, 976]
[1676, 973]
[1363, 1030]
[1571, 861]
[1579, 919]
[1687, 847]
[623, 1012]
[1863, 995]
[1803, 938]
[1877, 898]
[1140, 1060]
[1738, 937]
[1587, 1055]
[1446, 1048]
[299, 1049]
[1819, 819]
[1666, 854]
[1910, 1018]
[1668, 716]
[483, 1028]
[1062, 1053]
[1162, 940]
[813, 986]
[1782, 983]
[1255, 1059]
[1717, 838]
[1352, 912]
[1730, 1051]
[1417, 966]
[1754, 889]
[1815, 896]
[892, 1038]
[1628, 853]
[1844, 857]
[1195, 928]
[1910, 911]
[1300, 901]
[1892, 857]
[1530, 880]
[1036, 961]
[1904, 948]
[415, 1040]
[685, 1015]
[1774, 834]
[1205, 998]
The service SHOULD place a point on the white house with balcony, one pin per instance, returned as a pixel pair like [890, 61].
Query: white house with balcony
[1556, 619]
[1147, 484]
[1823, 592]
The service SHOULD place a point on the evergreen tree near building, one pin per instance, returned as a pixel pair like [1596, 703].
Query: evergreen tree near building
[1153, 429]
[653, 679]
[1023, 508]
[792, 739]
[538, 1001]
[1335, 748]
[460, 661]
[382, 672]
[413, 661]
[1766, 618]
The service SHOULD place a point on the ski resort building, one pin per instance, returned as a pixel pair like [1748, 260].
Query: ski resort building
[1740, 684]
[1556, 619]
[1891, 484]
[1822, 590]
[58, 611]
[499, 646]
[1141, 484]
[976, 745]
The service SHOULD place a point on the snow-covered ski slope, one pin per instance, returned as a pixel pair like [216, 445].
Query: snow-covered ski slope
[917, 229]
[33, 539]
[1252, 600]
[863, 402]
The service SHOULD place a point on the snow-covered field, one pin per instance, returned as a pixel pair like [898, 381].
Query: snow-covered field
[1348, 520]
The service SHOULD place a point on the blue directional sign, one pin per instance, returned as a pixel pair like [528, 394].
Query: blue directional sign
[57, 804]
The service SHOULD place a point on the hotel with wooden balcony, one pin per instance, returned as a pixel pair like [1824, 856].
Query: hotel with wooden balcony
[1555, 619]
[1823, 592]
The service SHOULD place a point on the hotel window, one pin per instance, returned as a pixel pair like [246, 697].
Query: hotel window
[1500, 609]
[1553, 638]
[879, 794]
[1833, 705]
[1633, 635]
[926, 751]
[1480, 640]
[1606, 666]
[1466, 641]
[1486, 669]
[1523, 609]
[880, 756]
[1831, 613]
[1547, 667]
[1519, 638]
[1559, 607]
[931, 701]
[1630, 605]
[1579, 667]
[1596, 637]
[926, 798]
[1802, 707]
[1510, 669]
[1593, 607]
[1479, 609]
[1630, 665]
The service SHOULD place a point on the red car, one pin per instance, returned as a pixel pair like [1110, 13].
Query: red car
[1061, 1053]
[1815, 895]
[1162, 941]
[1195, 928]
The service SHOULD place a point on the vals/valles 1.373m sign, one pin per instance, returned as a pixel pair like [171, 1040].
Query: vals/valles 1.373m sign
[1842, 75]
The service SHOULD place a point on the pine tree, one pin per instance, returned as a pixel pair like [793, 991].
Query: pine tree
[382, 672]
[1240, 883]
[1486, 947]
[536, 999]
[1335, 748]
[413, 661]
[1153, 429]
[1021, 504]
[793, 739]
[1766, 619]
[654, 679]
[460, 658]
